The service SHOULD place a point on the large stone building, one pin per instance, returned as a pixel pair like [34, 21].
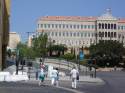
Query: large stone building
[4, 30]
[14, 39]
[77, 31]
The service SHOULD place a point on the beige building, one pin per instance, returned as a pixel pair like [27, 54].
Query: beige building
[77, 31]
[14, 39]
[4, 30]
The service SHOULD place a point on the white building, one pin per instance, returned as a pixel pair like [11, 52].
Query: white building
[77, 31]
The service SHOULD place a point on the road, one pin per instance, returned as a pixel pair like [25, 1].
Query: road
[114, 83]
[17, 87]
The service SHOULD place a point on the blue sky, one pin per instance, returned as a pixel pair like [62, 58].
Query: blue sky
[24, 13]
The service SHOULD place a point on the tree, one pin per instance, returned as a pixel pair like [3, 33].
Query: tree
[39, 45]
[25, 51]
[59, 49]
[107, 52]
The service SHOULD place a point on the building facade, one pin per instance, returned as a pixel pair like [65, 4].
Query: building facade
[4, 30]
[14, 39]
[77, 31]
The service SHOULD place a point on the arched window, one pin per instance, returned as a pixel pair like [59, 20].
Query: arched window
[108, 34]
[102, 34]
[99, 34]
[99, 26]
[105, 26]
[105, 34]
[112, 26]
[111, 34]
[102, 26]
[108, 26]
[114, 34]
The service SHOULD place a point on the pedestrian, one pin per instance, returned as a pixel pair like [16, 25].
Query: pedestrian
[41, 77]
[74, 74]
[54, 77]
[42, 66]
[57, 78]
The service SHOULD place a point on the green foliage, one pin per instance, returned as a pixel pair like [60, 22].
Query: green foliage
[57, 48]
[39, 45]
[68, 56]
[25, 51]
[107, 47]
[38, 48]
[107, 53]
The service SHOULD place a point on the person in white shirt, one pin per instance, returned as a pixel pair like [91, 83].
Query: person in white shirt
[74, 73]
[54, 77]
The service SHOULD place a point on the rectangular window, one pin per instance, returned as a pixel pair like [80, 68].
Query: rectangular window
[74, 34]
[71, 26]
[85, 34]
[41, 25]
[44, 25]
[59, 33]
[67, 26]
[55, 33]
[74, 26]
[56, 25]
[88, 34]
[88, 26]
[52, 25]
[81, 26]
[52, 34]
[78, 34]
[67, 34]
[59, 25]
[77, 26]
[81, 34]
[71, 34]
[63, 33]
[85, 26]
[118, 27]
[48, 25]
[122, 27]
[93, 26]
[63, 25]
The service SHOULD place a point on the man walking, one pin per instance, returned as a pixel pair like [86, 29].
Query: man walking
[74, 73]
[55, 77]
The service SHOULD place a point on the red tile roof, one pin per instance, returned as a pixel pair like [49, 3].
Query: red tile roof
[121, 20]
[73, 18]
[67, 18]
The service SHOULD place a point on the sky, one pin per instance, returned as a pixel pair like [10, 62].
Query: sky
[24, 13]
